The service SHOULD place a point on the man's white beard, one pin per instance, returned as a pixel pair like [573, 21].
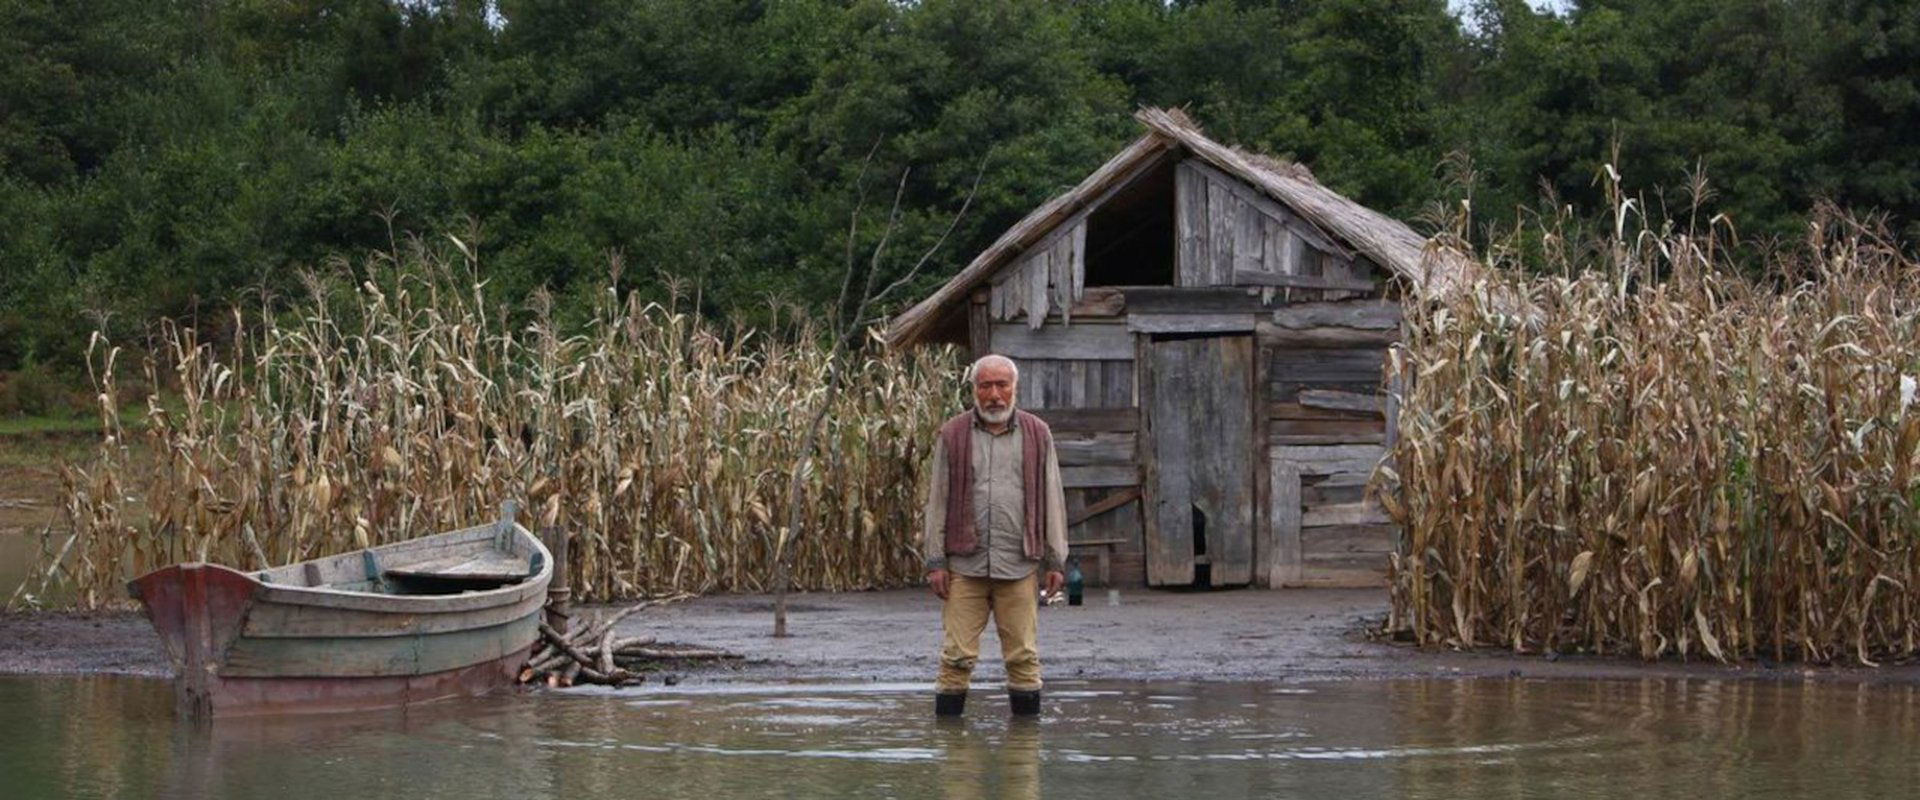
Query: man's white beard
[997, 417]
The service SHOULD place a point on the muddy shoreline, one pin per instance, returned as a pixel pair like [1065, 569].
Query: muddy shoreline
[1245, 635]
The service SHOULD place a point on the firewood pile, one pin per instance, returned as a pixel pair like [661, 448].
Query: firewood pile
[589, 651]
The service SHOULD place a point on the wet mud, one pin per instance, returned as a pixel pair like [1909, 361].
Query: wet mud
[1234, 635]
[72, 643]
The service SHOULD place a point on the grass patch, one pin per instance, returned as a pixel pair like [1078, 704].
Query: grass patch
[61, 424]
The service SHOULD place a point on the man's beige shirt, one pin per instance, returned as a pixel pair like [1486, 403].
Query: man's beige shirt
[999, 509]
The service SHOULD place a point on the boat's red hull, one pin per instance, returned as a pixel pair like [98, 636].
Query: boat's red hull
[249, 696]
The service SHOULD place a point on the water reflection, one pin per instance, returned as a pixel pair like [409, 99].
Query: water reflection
[983, 764]
[1658, 738]
[101, 737]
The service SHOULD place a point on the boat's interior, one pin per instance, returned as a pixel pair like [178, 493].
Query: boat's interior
[475, 559]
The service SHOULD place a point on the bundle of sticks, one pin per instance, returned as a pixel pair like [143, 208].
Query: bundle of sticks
[589, 652]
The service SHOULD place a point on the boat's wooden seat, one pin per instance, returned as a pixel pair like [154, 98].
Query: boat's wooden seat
[492, 565]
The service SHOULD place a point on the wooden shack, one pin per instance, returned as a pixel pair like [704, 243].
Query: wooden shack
[1206, 331]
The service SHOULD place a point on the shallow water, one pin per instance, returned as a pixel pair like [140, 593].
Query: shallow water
[116, 737]
[18, 550]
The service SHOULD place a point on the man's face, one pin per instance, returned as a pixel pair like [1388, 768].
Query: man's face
[993, 387]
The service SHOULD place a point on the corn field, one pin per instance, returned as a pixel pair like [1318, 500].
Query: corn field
[1659, 457]
[405, 405]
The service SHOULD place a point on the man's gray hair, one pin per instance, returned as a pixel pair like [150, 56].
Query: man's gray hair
[991, 359]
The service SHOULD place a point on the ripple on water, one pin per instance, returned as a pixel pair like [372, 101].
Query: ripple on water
[1414, 739]
[842, 703]
[769, 689]
[1081, 694]
[809, 720]
[657, 703]
[881, 754]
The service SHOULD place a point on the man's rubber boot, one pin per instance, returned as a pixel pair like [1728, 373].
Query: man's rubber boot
[1024, 703]
[949, 704]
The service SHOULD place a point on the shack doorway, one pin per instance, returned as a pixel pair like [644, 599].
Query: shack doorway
[1199, 474]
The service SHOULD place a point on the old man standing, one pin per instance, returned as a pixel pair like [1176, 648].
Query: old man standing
[995, 520]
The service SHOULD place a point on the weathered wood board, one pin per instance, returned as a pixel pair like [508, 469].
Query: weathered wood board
[1094, 449]
[1228, 233]
[1255, 201]
[1356, 370]
[1327, 530]
[1074, 384]
[1360, 314]
[1284, 563]
[347, 656]
[980, 324]
[1195, 300]
[1112, 534]
[1199, 417]
[1329, 459]
[1098, 302]
[281, 620]
[1286, 280]
[1297, 410]
[1191, 323]
[1192, 259]
[1089, 420]
[1326, 431]
[1324, 417]
[1108, 475]
[1090, 341]
[1048, 279]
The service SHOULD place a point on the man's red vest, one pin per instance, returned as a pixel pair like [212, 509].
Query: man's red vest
[1036, 441]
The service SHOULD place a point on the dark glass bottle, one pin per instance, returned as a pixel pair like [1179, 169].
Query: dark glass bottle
[1076, 583]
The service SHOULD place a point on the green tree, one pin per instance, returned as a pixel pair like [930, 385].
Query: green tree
[1868, 63]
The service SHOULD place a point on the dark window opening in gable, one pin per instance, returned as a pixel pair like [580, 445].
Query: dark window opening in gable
[1130, 237]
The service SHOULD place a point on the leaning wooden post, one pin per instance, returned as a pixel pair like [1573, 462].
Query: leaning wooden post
[559, 590]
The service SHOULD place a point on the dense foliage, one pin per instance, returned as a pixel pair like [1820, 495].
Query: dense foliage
[159, 157]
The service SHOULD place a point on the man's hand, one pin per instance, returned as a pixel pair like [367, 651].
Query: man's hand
[938, 580]
[1055, 580]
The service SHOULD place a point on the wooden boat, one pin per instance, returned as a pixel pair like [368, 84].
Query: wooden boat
[444, 615]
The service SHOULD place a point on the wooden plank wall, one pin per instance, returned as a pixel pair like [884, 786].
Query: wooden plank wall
[1326, 431]
[1083, 341]
[1080, 378]
[1065, 383]
[1048, 280]
[1228, 233]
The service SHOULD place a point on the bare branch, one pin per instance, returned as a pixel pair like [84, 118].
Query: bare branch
[853, 224]
[928, 255]
[785, 544]
[879, 251]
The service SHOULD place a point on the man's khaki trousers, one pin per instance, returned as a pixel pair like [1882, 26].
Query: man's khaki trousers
[1013, 605]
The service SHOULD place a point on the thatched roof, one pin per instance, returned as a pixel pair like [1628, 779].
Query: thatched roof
[1383, 239]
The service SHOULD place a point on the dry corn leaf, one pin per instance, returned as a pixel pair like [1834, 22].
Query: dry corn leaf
[1577, 572]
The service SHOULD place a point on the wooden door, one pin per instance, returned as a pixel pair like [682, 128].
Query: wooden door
[1199, 468]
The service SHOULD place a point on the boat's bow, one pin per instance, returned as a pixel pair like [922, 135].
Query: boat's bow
[198, 609]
